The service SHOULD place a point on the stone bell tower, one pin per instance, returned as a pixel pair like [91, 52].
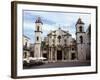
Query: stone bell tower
[38, 37]
[80, 40]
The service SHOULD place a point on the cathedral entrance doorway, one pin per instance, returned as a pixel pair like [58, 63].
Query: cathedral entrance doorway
[59, 55]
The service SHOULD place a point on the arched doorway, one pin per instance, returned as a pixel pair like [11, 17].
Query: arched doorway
[73, 56]
[59, 55]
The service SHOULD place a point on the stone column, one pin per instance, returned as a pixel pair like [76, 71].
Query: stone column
[51, 55]
[41, 53]
[55, 55]
[69, 54]
[62, 55]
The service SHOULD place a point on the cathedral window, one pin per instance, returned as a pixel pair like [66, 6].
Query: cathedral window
[80, 28]
[37, 38]
[59, 38]
[73, 49]
[81, 39]
[37, 28]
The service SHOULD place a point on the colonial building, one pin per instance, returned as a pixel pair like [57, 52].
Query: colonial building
[26, 47]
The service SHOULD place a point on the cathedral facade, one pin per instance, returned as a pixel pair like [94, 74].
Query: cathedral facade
[59, 45]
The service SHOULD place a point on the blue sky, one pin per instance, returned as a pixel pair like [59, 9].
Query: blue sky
[52, 21]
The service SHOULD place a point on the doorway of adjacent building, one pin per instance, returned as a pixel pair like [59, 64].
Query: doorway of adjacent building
[73, 56]
[59, 55]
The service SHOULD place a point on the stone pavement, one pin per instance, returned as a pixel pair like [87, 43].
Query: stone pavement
[60, 64]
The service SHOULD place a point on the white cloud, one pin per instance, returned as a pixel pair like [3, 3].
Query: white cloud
[29, 25]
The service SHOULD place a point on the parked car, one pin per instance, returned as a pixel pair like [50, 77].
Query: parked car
[33, 61]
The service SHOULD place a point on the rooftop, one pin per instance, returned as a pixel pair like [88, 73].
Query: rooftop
[79, 21]
[38, 20]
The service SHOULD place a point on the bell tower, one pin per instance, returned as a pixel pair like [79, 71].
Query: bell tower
[38, 37]
[80, 40]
